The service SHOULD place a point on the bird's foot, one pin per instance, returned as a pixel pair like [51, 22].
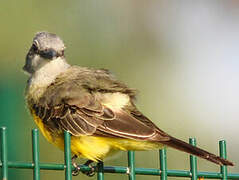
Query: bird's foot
[77, 169]
[92, 169]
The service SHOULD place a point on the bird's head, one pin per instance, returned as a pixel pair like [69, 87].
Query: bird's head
[45, 48]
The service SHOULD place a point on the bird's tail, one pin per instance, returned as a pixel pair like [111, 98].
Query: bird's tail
[183, 146]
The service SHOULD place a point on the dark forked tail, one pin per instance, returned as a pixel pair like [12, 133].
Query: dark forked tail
[183, 146]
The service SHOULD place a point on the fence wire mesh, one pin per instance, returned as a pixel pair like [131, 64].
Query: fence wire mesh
[130, 170]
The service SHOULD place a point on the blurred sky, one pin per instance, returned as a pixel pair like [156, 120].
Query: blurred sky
[182, 56]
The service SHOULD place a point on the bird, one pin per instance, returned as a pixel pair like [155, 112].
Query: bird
[98, 110]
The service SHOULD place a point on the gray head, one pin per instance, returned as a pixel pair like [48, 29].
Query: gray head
[45, 48]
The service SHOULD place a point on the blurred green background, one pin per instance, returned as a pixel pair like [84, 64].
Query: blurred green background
[182, 56]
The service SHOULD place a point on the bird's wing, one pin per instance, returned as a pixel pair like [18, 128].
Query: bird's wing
[88, 116]
[126, 126]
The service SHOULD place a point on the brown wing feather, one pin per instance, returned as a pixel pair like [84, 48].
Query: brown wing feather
[93, 118]
[126, 126]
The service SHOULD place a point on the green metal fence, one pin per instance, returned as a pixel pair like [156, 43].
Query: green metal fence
[130, 170]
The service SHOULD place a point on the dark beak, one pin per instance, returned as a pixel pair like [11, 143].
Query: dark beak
[28, 64]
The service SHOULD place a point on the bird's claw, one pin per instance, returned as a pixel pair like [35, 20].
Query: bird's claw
[91, 172]
[77, 169]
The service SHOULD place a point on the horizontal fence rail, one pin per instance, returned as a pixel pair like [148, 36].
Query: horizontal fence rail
[130, 170]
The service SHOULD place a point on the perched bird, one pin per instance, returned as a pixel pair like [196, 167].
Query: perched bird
[98, 110]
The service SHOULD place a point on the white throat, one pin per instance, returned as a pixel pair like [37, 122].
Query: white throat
[46, 75]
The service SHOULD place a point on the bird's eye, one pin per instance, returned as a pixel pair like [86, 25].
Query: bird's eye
[34, 47]
[48, 53]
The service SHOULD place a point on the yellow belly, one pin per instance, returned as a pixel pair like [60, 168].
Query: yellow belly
[94, 147]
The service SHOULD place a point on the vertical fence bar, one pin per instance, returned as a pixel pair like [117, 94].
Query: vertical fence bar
[163, 164]
[223, 154]
[193, 161]
[131, 165]
[67, 151]
[4, 153]
[35, 154]
[100, 173]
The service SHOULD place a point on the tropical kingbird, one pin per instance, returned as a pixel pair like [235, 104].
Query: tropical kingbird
[97, 109]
